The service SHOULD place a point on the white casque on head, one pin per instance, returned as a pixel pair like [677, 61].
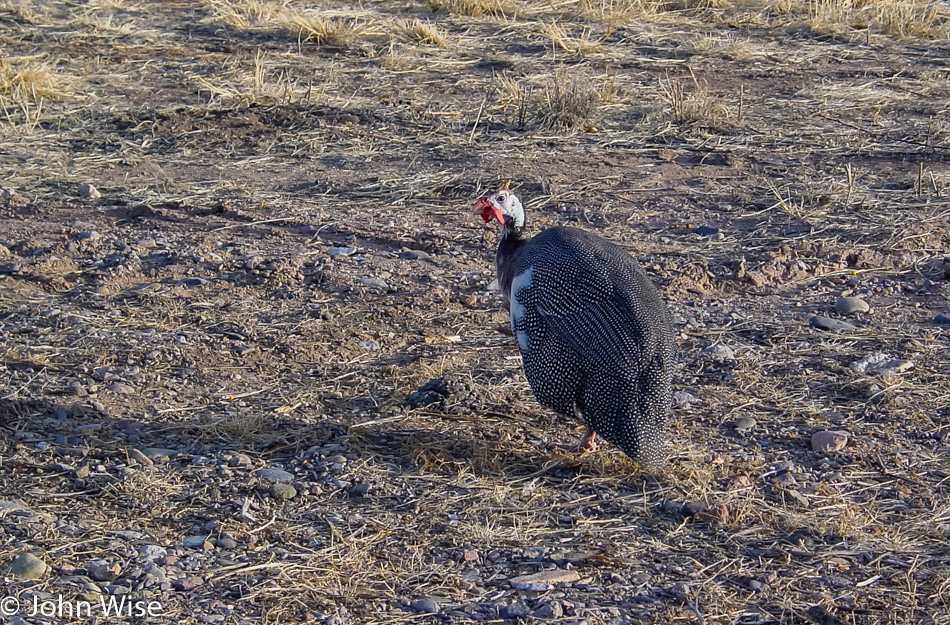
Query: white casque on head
[501, 204]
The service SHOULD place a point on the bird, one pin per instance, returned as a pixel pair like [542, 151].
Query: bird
[596, 339]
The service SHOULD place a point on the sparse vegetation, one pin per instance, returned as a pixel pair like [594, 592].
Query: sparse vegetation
[689, 103]
[582, 44]
[27, 81]
[425, 33]
[339, 32]
[568, 102]
[284, 251]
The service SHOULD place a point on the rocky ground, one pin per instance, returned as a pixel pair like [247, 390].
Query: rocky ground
[253, 372]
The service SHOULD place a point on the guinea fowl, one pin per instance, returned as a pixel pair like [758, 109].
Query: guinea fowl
[594, 335]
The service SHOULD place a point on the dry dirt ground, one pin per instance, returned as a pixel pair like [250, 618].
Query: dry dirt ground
[283, 250]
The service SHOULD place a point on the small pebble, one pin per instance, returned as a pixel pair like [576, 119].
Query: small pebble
[373, 282]
[518, 609]
[549, 610]
[880, 363]
[370, 346]
[342, 251]
[427, 605]
[192, 282]
[414, 255]
[718, 352]
[743, 424]
[157, 454]
[87, 190]
[195, 542]
[283, 491]
[141, 458]
[832, 325]
[829, 440]
[552, 576]
[240, 460]
[851, 306]
[152, 552]
[105, 572]
[226, 543]
[683, 399]
[277, 476]
[185, 584]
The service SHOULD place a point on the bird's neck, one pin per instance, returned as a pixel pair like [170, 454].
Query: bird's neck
[509, 248]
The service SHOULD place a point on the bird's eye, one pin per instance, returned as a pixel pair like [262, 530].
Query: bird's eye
[502, 197]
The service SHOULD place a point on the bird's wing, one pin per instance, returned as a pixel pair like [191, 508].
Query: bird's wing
[615, 324]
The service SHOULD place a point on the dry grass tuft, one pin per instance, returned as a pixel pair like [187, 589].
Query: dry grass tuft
[582, 45]
[896, 18]
[726, 46]
[568, 102]
[245, 14]
[693, 107]
[425, 33]
[262, 85]
[338, 32]
[30, 82]
[477, 8]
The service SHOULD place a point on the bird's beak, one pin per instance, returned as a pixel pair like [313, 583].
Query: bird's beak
[489, 210]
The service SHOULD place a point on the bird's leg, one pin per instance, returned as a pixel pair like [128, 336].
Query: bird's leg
[585, 444]
[587, 441]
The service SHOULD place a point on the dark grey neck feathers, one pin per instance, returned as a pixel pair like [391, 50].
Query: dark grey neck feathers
[509, 248]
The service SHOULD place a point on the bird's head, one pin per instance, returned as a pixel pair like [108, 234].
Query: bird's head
[502, 205]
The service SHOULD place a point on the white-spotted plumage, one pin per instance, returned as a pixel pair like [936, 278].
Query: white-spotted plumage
[594, 334]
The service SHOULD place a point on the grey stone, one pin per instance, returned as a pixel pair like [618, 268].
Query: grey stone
[240, 460]
[87, 190]
[942, 319]
[342, 251]
[283, 491]
[370, 346]
[104, 571]
[549, 610]
[226, 543]
[185, 584]
[880, 363]
[141, 458]
[26, 566]
[552, 576]
[683, 399]
[518, 609]
[428, 605]
[744, 423]
[192, 282]
[158, 454]
[831, 325]
[13, 508]
[195, 542]
[718, 352]
[152, 552]
[851, 306]
[414, 255]
[373, 282]
[829, 441]
[277, 476]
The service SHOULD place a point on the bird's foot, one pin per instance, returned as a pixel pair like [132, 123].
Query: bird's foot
[586, 443]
